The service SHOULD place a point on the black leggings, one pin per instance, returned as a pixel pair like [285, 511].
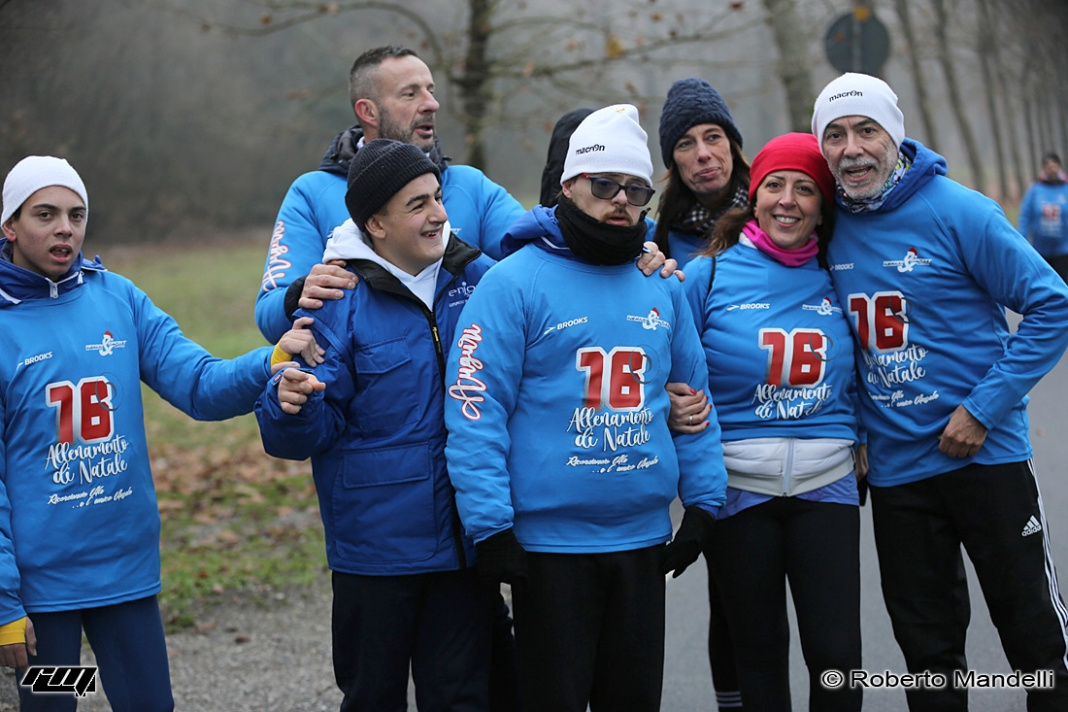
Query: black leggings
[816, 545]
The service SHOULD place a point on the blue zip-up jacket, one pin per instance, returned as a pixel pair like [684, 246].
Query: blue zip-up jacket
[376, 435]
[557, 414]
[79, 524]
[480, 212]
[925, 280]
[1044, 217]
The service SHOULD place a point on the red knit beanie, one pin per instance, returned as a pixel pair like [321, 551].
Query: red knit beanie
[792, 152]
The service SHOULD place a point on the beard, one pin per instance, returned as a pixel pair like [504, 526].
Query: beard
[881, 169]
[395, 130]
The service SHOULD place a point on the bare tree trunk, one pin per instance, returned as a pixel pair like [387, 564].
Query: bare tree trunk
[793, 61]
[1032, 134]
[1045, 125]
[945, 58]
[1063, 114]
[984, 48]
[1012, 90]
[476, 91]
[918, 80]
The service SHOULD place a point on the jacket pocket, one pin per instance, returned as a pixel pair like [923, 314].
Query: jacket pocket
[383, 505]
[386, 387]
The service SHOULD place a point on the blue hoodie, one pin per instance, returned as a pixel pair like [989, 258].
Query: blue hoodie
[1044, 217]
[557, 414]
[925, 280]
[79, 524]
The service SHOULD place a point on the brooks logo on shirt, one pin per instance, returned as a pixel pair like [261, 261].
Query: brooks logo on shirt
[33, 359]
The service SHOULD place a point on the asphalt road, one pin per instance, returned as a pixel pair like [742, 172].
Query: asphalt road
[687, 681]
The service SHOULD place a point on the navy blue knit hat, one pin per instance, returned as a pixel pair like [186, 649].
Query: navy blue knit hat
[380, 169]
[690, 102]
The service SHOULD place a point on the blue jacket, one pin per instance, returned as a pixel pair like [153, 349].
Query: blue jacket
[376, 435]
[557, 414]
[79, 524]
[1044, 217]
[925, 280]
[480, 212]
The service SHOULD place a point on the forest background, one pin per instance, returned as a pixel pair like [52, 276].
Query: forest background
[195, 115]
[188, 120]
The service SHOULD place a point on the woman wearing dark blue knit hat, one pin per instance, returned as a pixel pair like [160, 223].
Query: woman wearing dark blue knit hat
[707, 174]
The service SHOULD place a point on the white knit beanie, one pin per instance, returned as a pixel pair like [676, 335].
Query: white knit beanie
[35, 172]
[858, 95]
[610, 140]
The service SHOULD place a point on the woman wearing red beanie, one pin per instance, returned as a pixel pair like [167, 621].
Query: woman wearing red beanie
[781, 375]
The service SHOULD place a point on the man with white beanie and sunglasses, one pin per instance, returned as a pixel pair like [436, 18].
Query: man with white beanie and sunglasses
[927, 268]
[558, 445]
[79, 524]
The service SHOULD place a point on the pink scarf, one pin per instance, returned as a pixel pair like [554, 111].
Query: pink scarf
[791, 258]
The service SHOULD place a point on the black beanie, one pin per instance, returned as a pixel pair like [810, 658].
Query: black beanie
[554, 163]
[690, 102]
[380, 169]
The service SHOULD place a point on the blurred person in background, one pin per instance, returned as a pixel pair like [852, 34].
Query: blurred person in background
[1044, 214]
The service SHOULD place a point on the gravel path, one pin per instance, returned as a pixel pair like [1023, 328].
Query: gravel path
[262, 657]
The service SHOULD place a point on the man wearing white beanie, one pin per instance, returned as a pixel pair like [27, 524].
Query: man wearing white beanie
[79, 523]
[558, 445]
[927, 268]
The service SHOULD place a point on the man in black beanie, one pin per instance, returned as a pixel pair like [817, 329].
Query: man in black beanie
[406, 595]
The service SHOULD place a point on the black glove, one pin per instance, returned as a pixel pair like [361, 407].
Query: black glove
[694, 534]
[501, 558]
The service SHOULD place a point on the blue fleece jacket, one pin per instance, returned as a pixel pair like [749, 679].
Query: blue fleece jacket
[925, 280]
[557, 414]
[79, 524]
[1044, 217]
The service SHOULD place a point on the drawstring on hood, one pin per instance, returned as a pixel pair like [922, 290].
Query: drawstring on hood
[18, 284]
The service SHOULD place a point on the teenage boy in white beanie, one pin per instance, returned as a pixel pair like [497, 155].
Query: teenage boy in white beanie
[927, 268]
[558, 443]
[79, 524]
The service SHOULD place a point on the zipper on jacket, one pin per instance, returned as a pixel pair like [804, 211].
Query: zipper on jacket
[393, 285]
[457, 525]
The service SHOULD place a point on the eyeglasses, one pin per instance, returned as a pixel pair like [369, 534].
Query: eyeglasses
[606, 189]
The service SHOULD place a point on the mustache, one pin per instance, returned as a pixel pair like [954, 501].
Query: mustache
[857, 163]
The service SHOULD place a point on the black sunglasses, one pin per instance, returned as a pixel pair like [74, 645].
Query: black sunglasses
[605, 188]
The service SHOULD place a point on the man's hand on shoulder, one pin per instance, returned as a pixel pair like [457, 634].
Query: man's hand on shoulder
[652, 259]
[326, 281]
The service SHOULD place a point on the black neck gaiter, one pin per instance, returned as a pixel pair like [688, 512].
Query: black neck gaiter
[597, 242]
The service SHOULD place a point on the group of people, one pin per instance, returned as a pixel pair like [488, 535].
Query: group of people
[491, 395]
